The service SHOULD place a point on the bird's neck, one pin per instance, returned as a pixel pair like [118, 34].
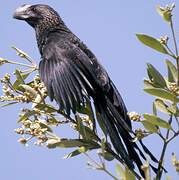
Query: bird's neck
[42, 33]
[41, 40]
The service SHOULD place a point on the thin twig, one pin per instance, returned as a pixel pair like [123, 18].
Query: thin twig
[161, 161]
[175, 135]
[25, 55]
[101, 167]
[109, 150]
[172, 54]
[28, 70]
[174, 39]
[161, 136]
[176, 49]
[21, 64]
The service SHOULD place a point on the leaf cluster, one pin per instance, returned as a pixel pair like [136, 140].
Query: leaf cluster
[38, 121]
[164, 89]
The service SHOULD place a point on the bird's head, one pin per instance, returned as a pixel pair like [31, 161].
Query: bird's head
[36, 14]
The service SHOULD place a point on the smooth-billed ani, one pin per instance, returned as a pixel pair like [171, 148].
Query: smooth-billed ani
[71, 71]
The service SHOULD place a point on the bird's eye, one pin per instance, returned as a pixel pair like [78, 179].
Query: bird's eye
[33, 9]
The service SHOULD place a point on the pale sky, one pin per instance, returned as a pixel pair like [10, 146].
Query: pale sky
[108, 28]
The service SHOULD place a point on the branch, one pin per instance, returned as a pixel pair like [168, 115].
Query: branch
[161, 161]
[109, 150]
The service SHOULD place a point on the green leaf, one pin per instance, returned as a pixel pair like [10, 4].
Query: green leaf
[27, 115]
[146, 169]
[69, 143]
[172, 71]
[139, 137]
[152, 43]
[87, 109]
[80, 127]
[160, 10]
[85, 131]
[46, 107]
[5, 105]
[161, 106]
[149, 126]
[76, 152]
[29, 90]
[120, 172]
[168, 178]
[164, 13]
[102, 144]
[154, 109]
[24, 76]
[173, 109]
[162, 93]
[19, 76]
[19, 80]
[90, 134]
[148, 84]
[156, 121]
[129, 175]
[155, 76]
[107, 156]
[43, 125]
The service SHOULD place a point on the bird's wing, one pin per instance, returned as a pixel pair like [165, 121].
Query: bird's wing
[65, 80]
[69, 73]
[102, 79]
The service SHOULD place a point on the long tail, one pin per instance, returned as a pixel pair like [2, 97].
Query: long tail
[113, 114]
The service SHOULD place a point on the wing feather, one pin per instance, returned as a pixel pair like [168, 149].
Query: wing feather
[65, 81]
[43, 71]
[61, 76]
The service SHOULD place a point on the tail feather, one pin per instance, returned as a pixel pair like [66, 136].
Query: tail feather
[113, 113]
[108, 120]
[148, 152]
[133, 154]
[128, 122]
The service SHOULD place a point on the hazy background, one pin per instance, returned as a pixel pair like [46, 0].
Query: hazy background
[108, 28]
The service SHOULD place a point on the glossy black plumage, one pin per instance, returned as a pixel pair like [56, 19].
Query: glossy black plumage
[70, 71]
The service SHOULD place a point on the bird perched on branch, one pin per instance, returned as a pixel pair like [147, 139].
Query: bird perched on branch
[71, 71]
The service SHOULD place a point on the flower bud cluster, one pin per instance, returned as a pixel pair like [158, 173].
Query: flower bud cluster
[176, 164]
[168, 8]
[39, 86]
[87, 121]
[25, 97]
[174, 88]
[74, 126]
[164, 40]
[19, 130]
[134, 116]
[2, 61]
[32, 128]
[23, 141]
[5, 79]
[140, 131]
[8, 92]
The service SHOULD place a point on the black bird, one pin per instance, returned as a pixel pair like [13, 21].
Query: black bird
[71, 71]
